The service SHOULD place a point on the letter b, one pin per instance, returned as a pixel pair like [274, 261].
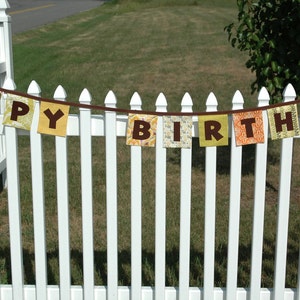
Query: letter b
[141, 130]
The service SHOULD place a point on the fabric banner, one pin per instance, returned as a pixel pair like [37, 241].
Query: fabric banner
[178, 131]
[248, 127]
[53, 119]
[141, 130]
[283, 121]
[18, 112]
[213, 130]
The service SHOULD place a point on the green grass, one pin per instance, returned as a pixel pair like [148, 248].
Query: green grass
[171, 49]
[154, 46]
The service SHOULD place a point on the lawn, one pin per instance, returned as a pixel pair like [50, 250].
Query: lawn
[150, 47]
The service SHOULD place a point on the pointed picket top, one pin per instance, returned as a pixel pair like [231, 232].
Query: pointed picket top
[161, 103]
[34, 89]
[4, 5]
[187, 103]
[136, 102]
[211, 102]
[289, 93]
[9, 84]
[85, 98]
[110, 100]
[263, 97]
[237, 100]
[60, 94]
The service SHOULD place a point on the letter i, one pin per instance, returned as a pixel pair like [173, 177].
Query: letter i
[177, 131]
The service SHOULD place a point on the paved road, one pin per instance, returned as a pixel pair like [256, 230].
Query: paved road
[29, 14]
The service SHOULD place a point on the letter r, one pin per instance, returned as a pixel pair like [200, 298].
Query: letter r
[212, 130]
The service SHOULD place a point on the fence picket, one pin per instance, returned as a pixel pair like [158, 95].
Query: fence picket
[210, 210]
[160, 203]
[87, 195]
[111, 194]
[136, 212]
[234, 208]
[14, 206]
[289, 94]
[259, 202]
[38, 198]
[63, 207]
[185, 210]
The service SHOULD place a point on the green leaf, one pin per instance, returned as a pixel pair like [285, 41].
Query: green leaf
[274, 66]
[272, 44]
[268, 57]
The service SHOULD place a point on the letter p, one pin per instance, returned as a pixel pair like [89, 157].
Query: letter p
[18, 109]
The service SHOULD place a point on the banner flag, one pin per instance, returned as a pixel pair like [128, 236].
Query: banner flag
[53, 118]
[213, 130]
[283, 121]
[141, 130]
[178, 131]
[248, 127]
[18, 112]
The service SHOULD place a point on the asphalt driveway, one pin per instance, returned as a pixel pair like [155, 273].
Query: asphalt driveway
[30, 14]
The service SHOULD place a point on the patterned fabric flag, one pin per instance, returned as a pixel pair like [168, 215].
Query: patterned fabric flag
[18, 112]
[178, 131]
[53, 118]
[283, 121]
[213, 130]
[141, 130]
[248, 127]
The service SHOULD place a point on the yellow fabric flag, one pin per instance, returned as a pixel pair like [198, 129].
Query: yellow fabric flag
[213, 130]
[283, 121]
[18, 112]
[141, 130]
[53, 118]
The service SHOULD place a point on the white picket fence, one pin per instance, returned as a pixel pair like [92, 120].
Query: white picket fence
[110, 126]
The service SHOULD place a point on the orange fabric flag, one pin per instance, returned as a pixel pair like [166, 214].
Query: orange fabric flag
[248, 127]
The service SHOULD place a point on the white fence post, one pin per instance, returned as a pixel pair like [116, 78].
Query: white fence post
[6, 70]
[14, 207]
[259, 202]
[185, 210]
[289, 94]
[6, 57]
[63, 207]
[111, 194]
[210, 209]
[136, 211]
[38, 198]
[160, 203]
[87, 195]
[234, 208]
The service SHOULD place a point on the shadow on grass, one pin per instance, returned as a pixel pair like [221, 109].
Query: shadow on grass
[148, 266]
[224, 157]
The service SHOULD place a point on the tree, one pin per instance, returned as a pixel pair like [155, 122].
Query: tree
[269, 30]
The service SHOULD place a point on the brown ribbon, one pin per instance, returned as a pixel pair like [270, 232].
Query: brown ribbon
[127, 111]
